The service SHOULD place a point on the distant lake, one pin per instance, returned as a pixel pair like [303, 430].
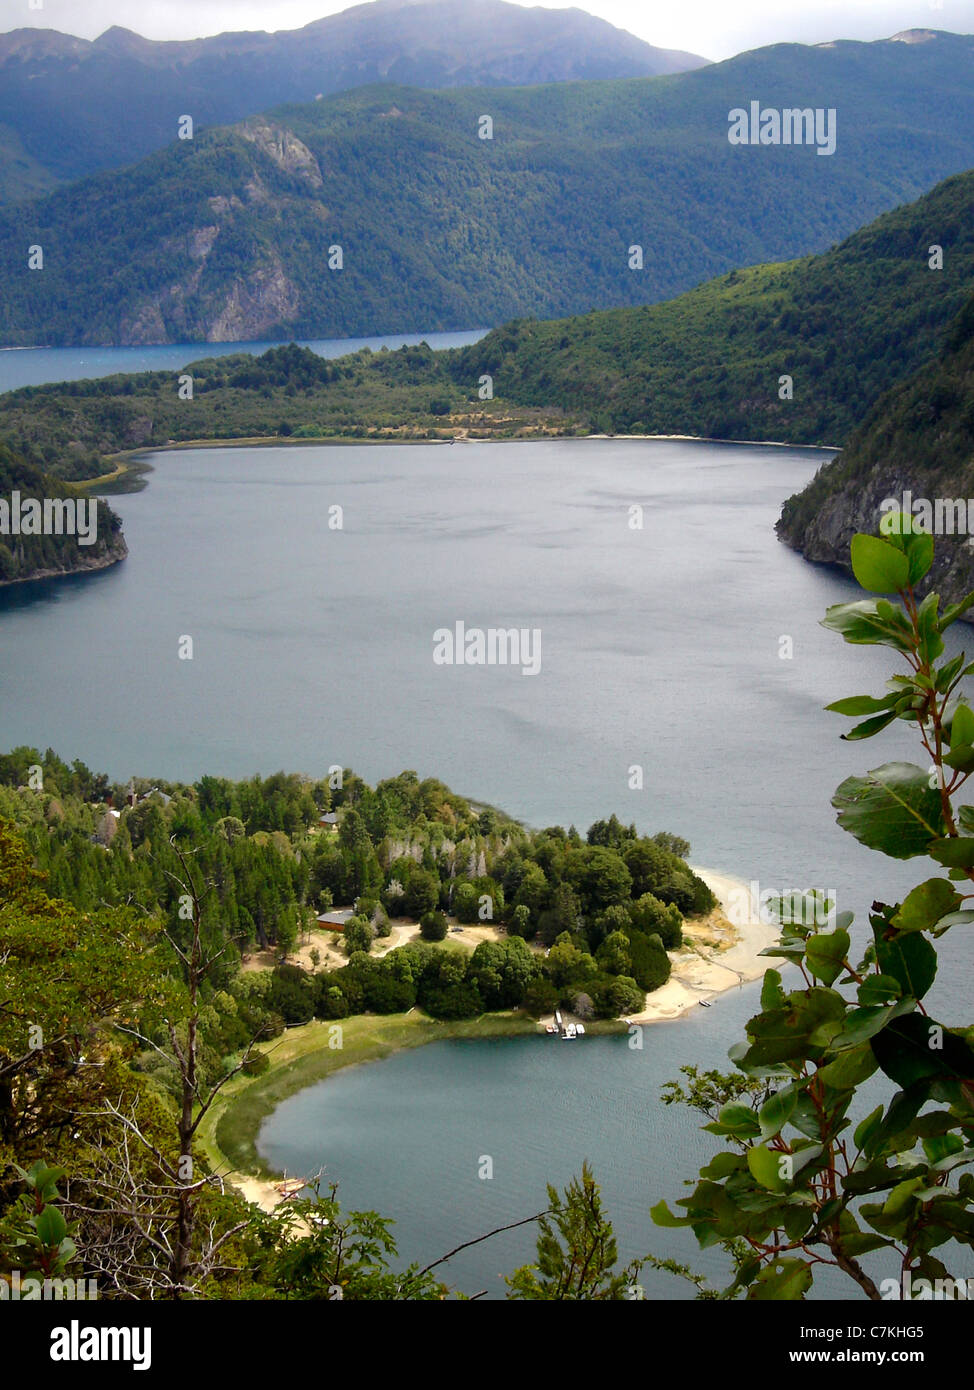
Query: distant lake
[37, 366]
[666, 647]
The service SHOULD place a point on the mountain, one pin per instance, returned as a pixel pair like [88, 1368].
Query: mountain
[77, 549]
[844, 326]
[917, 439]
[77, 106]
[227, 237]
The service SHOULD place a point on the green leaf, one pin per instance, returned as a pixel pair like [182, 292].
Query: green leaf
[868, 1127]
[722, 1165]
[879, 989]
[910, 959]
[902, 1196]
[772, 995]
[962, 725]
[862, 624]
[949, 670]
[784, 1281]
[737, 1120]
[869, 727]
[892, 809]
[825, 952]
[941, 1146]
[864, 1023]
[806, 1023]
[776, 1112]
[931, 643]
[850, 1068]
[915, 1049]
[50, 1226]
[925, 905]
[765, 1166]
[919, 551]
[878, 566]
[955, 611]
[954, 851]
[960, 757]
[863, 704]
[857, 1245]
[662, 1216]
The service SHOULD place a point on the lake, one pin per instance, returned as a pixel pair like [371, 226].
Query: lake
[690, 648]
[37, 366]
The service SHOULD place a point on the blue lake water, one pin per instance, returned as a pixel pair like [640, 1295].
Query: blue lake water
[663, 647]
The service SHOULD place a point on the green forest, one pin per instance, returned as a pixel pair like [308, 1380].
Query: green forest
[843, 327]
[72, 429]
[27, 556]
[227, 236]
[127, 912]
[919, 436]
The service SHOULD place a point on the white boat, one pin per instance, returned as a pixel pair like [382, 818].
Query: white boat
[570, 1031]
[580, 1030]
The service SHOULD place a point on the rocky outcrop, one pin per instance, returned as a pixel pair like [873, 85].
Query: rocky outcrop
[915, 449]
[255, 305]
[284, 148]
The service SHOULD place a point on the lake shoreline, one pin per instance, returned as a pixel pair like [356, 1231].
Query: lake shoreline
[701, 971]
[105, 562]
[697, 975]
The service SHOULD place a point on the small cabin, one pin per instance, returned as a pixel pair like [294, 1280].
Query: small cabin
[329, 821]
[334, 921]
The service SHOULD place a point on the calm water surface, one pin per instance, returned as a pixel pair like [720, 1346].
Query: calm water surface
[660, 647]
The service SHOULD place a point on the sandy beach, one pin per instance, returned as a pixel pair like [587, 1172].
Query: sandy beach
[727, 953]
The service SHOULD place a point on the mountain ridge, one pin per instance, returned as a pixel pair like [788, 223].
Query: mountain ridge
[81, 105]
[229, 236]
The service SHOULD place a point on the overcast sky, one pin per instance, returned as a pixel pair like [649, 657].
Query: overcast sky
[714, 28]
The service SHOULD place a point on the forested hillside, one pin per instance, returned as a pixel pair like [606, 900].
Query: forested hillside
[232, 235]
[918, 438]
[289, 392]
[844, 326]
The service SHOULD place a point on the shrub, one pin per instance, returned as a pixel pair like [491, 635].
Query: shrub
[540, 997]
[433, 925]
[650, 963]
[650, 915]
[422, 893]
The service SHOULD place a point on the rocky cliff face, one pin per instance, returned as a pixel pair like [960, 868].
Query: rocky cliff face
[915, 446]
[857, 506]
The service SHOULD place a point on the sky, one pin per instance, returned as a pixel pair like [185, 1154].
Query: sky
[714, 28]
